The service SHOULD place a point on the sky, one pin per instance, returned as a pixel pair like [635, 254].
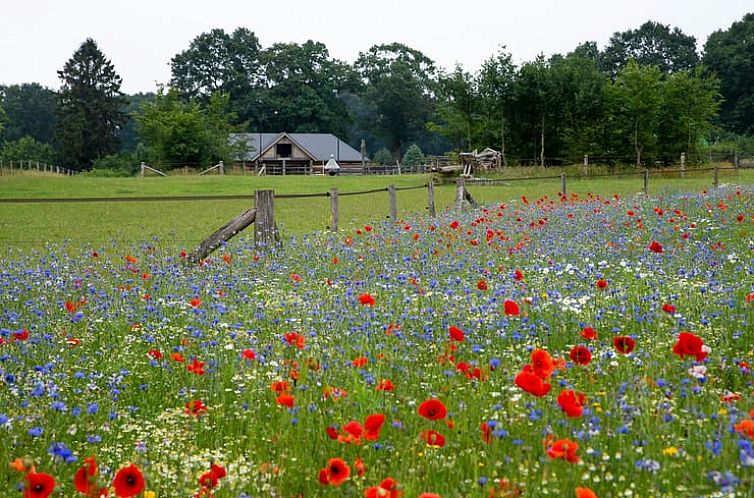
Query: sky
[140, 37]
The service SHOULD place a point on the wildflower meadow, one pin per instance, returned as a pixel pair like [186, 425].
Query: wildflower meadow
[574, 346]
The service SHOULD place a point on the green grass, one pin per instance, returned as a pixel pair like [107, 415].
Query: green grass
[182, 224]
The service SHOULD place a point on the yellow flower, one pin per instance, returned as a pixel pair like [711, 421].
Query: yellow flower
[670, 451]
[150, 494]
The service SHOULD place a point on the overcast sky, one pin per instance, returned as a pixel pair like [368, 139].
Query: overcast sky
[140, 37]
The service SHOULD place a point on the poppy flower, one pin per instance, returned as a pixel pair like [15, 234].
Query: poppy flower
[750, 298]
[481, 285]
[745, 427]
[385, 385]
[656, 247]
[208, 480]
[542, 364]
[285, 400]
[429, 495]
[359, 467]
[433, 438]
[455, 334]
[585, 493]
[531, 383]
[367, 299]
[668, 308]
[564, 449]
[601, 284]
[518, 275]
[689, 345]
[128, 482]
[248, 354]
[360, 361]
[510, 308]
[336, 472]
[388, 488]
[38, 485]
[486, 432]
[624, 344]
[580, 355]
[433, 409]
[373, 425]
[589, 333]
[196, 367]
[195, 407]
[354, 429]
[195, 302]
[218, 470]
[572, 402]
[86, 477]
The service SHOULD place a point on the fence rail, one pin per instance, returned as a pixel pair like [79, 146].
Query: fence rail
[10, 167]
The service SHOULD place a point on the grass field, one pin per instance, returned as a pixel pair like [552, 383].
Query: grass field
[523, 349]
[181, 225]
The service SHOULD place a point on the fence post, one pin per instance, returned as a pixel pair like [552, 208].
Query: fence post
[683, 165]
[431, 198]
[334, 209]
[265, 231]
[460, 189]
[37, 165]
[142, 169]
[646, 182]
[563, 184]
[222, 167]
[393, 203]
[716, 178]
[735, 160]
[586, 164]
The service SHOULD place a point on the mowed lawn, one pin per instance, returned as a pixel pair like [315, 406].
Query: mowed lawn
[175, 225]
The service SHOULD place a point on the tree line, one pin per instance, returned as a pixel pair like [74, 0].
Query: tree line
[649, 95]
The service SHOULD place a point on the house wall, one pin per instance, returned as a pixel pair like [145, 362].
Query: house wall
[296, 152]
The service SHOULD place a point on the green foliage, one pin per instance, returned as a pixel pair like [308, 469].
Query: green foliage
[177, 132]
[730, 55]
[652, 44]
[458, 108]
[413, 156]
[29, 110]
[120, 164]
[89, 105]
[383, 156]
[27, 149]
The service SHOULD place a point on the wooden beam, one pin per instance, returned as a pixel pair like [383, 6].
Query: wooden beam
[223, 234]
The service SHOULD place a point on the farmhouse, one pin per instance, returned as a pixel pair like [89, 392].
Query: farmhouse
[295, 153]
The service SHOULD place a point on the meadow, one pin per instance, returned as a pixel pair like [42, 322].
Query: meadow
[598, 344]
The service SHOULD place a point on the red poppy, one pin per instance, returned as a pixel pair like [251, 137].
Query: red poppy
[208, 480]
[433, 438]
[429, 495]
[359, 466]
[510, 308]
[581, 355]
[218, 470]
[433, 409]
[360, 361]
[531, 383]
[336, 472]
[367, 299]
[486, 432]
[195, 302]
[745, 427]
[750, 298]
[668, 308]
[248, 354]
[455, 333]
[602, 283]
[38, 485]
[518, 275]
[572, 402]
[196, 367]
[689, 345]
[624, 344]
[195, 407]
[86, 477]
[388, 488]
[481, 285]
[354, 429]
[21, 335]
[128, 482]
[373, 426]
[155, 354]
[564, 449]
[295, 339]
[542, 364]
[385, 385]
[589, 333]
[285, 400]
[656, 247]
[585, 493]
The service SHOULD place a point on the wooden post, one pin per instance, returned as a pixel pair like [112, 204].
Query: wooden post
[265, 231]
[716, 178]
[683, 165]
[363, 155]
[334, 209]
[223, 234]
[283, 167]
[393, 203]
[222, 168]
[586, 164]
[646, 182]
[735, 160]
[460, 190]
[431, 198]
[563, 184]
[142, 169]
[37, 165]
[57, 169]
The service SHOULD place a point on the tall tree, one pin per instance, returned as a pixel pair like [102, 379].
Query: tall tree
[219, 62]
[730, 54]
[652, 44]
[88, 110]
[496, 92]
[399, 83]
[30, 110]
[458, 108]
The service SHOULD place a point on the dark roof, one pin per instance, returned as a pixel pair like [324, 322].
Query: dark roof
[319, 145]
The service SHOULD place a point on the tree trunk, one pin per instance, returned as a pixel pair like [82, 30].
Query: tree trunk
[636, 143]
[502, 139]
[542, 144]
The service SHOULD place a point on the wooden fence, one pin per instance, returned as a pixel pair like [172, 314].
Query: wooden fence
[12, 167]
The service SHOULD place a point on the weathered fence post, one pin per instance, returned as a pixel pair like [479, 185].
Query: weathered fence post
[222, 167]
[683, 165]
[37, 165]
[265, 231]
[716, 178]
[141, 173]
[563, 184]
[334, 209]
[646, 182]
[735, 160]
[431, 198]
[460, 190]
[393, 203]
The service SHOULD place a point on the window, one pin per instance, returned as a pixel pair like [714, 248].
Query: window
[283, 150]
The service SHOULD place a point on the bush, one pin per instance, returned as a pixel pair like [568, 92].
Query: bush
[121, 164]
[383, 157]
[27, 149]
[413, 156]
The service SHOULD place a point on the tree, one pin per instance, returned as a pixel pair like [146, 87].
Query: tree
[637, 98]
[399, 83]
[496, 92]
[178, 132]
[128, 137]
[730, 55]
[30, 110]
[382, 156]
[457, 108]
[653, 44]
[27, 149]
[218, 62]
[413, 156]
[88, 110]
